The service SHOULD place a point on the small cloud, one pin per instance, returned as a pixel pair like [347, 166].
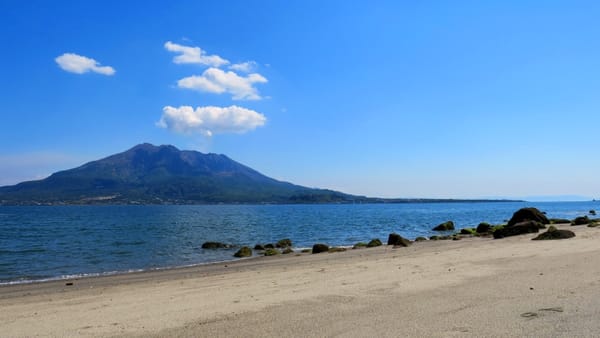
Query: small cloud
[245, 67]
[194, 55]
[78, 64]
[214, 80]
[210, 120]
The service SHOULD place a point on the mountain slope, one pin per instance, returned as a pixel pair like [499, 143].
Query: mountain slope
[164, 174]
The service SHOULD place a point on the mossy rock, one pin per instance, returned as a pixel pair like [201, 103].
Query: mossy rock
[271, 252]
[269, 246]
[244, 251]
[498, 227]
[397, 240]
[483, 228]
[284, 243]
[446, 226]
[420, 239]
[306, 250]
[560, 221]
[583, 220]
[360, 245]
[468, 231]
[528, 214]
[287, 251]
[336, 249]
[374, 242]
[215, 245]
[434, 238]
[259, 247]
[319, 247]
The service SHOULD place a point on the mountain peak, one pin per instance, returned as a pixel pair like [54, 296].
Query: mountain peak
[148, 173]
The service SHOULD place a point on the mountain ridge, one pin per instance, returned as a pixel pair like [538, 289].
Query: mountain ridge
[149, 174]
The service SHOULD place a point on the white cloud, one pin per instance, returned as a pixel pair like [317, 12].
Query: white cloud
[245, 67]
[78, 64]
[210, 120]
[215, 80]
[194, 55]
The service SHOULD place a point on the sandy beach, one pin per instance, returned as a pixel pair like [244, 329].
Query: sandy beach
[473, 287]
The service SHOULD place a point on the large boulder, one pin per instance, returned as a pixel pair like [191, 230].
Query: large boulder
[318, 248]
[583, 220]
[397, 240]
[215, 245]
[483, 228]
[243, 252]
[528, 214]
[449, 225]
[518, 229]
[554, 233]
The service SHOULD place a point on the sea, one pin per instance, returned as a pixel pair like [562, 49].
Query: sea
[39, 243]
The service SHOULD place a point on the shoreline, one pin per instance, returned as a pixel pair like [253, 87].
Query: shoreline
[352, 293]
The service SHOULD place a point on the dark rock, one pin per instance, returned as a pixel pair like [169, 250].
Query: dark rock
[243, 252]
[269, 246]
[360, 245]
[517, 229]
[593, 212]
[397, 240]
[583, 220]
[483, 228]
[434, 238]
[287, 251]
[554, 233]
[284, 243]
[215, 245]
[271, 252]
[444, 226]
[306, 250]
[374, 242]
[528, 214]
[259, 247]
[560, 221]
[420, 239]
[318, 248]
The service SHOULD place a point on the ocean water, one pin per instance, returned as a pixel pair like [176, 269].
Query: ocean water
[41, 243]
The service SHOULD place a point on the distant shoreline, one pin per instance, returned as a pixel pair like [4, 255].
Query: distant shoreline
[368, 201]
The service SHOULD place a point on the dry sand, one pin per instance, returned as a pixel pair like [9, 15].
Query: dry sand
[472, 287]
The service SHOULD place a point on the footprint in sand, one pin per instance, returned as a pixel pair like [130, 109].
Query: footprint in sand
[531, 315]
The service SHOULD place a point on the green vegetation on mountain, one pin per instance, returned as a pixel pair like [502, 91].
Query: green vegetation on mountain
[148, 174]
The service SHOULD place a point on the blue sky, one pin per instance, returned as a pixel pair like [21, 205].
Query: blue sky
[458, 99]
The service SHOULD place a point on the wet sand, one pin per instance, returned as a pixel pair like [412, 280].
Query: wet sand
[472, 287]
